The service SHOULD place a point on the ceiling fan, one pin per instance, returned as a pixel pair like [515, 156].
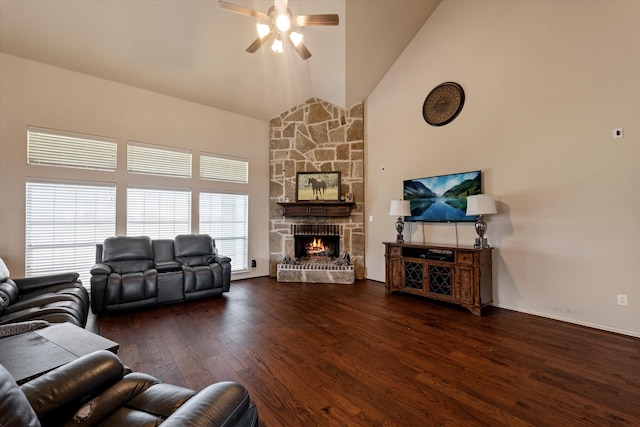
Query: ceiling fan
[279, 21]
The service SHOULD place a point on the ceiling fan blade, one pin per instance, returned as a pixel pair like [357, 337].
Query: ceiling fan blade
[257, 43]
[241, 10]
[301, 49]
[325, 19]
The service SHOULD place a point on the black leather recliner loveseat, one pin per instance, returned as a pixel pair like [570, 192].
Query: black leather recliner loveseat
[97, 390]
[54, 298]
[136, 272]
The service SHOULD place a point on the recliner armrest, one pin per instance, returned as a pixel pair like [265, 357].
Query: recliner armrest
[220, 259]
[219, 404]
[26, 284]
[63, 388]
[164, 266]
[101, 268]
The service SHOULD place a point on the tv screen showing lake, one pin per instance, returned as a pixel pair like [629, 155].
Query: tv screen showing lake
[441, 198]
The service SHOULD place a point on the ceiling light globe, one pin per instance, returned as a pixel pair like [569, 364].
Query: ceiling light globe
[283, 23]
[263, 30]
[296, 38]
[277, 46]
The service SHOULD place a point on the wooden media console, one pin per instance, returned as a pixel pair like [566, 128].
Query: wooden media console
[459, 275]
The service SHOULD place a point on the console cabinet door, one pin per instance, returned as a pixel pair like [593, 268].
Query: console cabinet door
[413, 276]
[395, 274]
[440, 277]
[464, 284]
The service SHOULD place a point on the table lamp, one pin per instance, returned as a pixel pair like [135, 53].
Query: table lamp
[399, 208]
[481, 204]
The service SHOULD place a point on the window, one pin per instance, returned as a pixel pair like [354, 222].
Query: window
[64, 221]
[156, 160]
[225, 217]
[58, 148]
[220, 168]
[158, 213]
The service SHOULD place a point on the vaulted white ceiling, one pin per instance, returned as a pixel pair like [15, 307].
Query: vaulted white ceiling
[191, 49]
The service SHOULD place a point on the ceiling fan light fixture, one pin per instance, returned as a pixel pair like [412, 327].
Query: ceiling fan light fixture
[295, 38]
[283, 22]
[263, 30]
[279, 21]
[277, 46]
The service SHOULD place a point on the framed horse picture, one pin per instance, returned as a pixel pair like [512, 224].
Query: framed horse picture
[320, 186]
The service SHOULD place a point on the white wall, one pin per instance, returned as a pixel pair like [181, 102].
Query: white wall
[546, 83]
[35, 94]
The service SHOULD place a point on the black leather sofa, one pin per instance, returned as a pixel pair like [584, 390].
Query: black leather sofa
[136, 272]
[97, 390]
[55, 298]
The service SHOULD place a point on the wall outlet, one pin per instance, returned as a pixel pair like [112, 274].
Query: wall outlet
[623, 300]
[253, 263]
[618, 133]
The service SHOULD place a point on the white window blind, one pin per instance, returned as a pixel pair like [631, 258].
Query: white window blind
[158, 213]
[219, 168]
[63, 224]
[225, 217]
[155, 160]
[58, 148]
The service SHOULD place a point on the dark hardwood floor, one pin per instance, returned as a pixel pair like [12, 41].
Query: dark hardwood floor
[349, 355]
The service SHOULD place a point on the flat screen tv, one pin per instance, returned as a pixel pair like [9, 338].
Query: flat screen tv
[442, 198]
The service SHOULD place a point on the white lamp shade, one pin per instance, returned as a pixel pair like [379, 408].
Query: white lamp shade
[399, 208]
[481, 204]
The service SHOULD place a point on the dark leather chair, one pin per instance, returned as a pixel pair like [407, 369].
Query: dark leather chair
[97, 390]
[205, 272]
[56, 298]
[126, 277]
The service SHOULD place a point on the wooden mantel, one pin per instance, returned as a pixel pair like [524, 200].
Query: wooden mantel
[317, 208]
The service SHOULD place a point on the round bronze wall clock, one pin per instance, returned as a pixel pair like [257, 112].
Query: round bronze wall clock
[443, 104]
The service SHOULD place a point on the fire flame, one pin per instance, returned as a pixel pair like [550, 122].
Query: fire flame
[316, 244]
[315, 247]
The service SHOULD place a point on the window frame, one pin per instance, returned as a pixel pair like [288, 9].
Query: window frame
[50, 147]
[66, 256]
[238, 264]
[145, 224]
[208, 172]
[159, 160]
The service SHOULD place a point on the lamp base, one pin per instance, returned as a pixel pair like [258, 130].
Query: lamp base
[481, 242]
[399, 229]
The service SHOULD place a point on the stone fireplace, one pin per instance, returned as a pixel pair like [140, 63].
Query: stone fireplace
[317, 137]
[317, 256]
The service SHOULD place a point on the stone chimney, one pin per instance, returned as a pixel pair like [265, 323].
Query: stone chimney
[317, 137]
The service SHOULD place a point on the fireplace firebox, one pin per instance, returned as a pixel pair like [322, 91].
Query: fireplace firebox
[314, 247]
[316, 241]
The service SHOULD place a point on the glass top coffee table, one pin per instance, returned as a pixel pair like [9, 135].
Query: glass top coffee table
[31, 354]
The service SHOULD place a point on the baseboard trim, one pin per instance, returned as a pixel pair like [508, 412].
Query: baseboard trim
[635, 334]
